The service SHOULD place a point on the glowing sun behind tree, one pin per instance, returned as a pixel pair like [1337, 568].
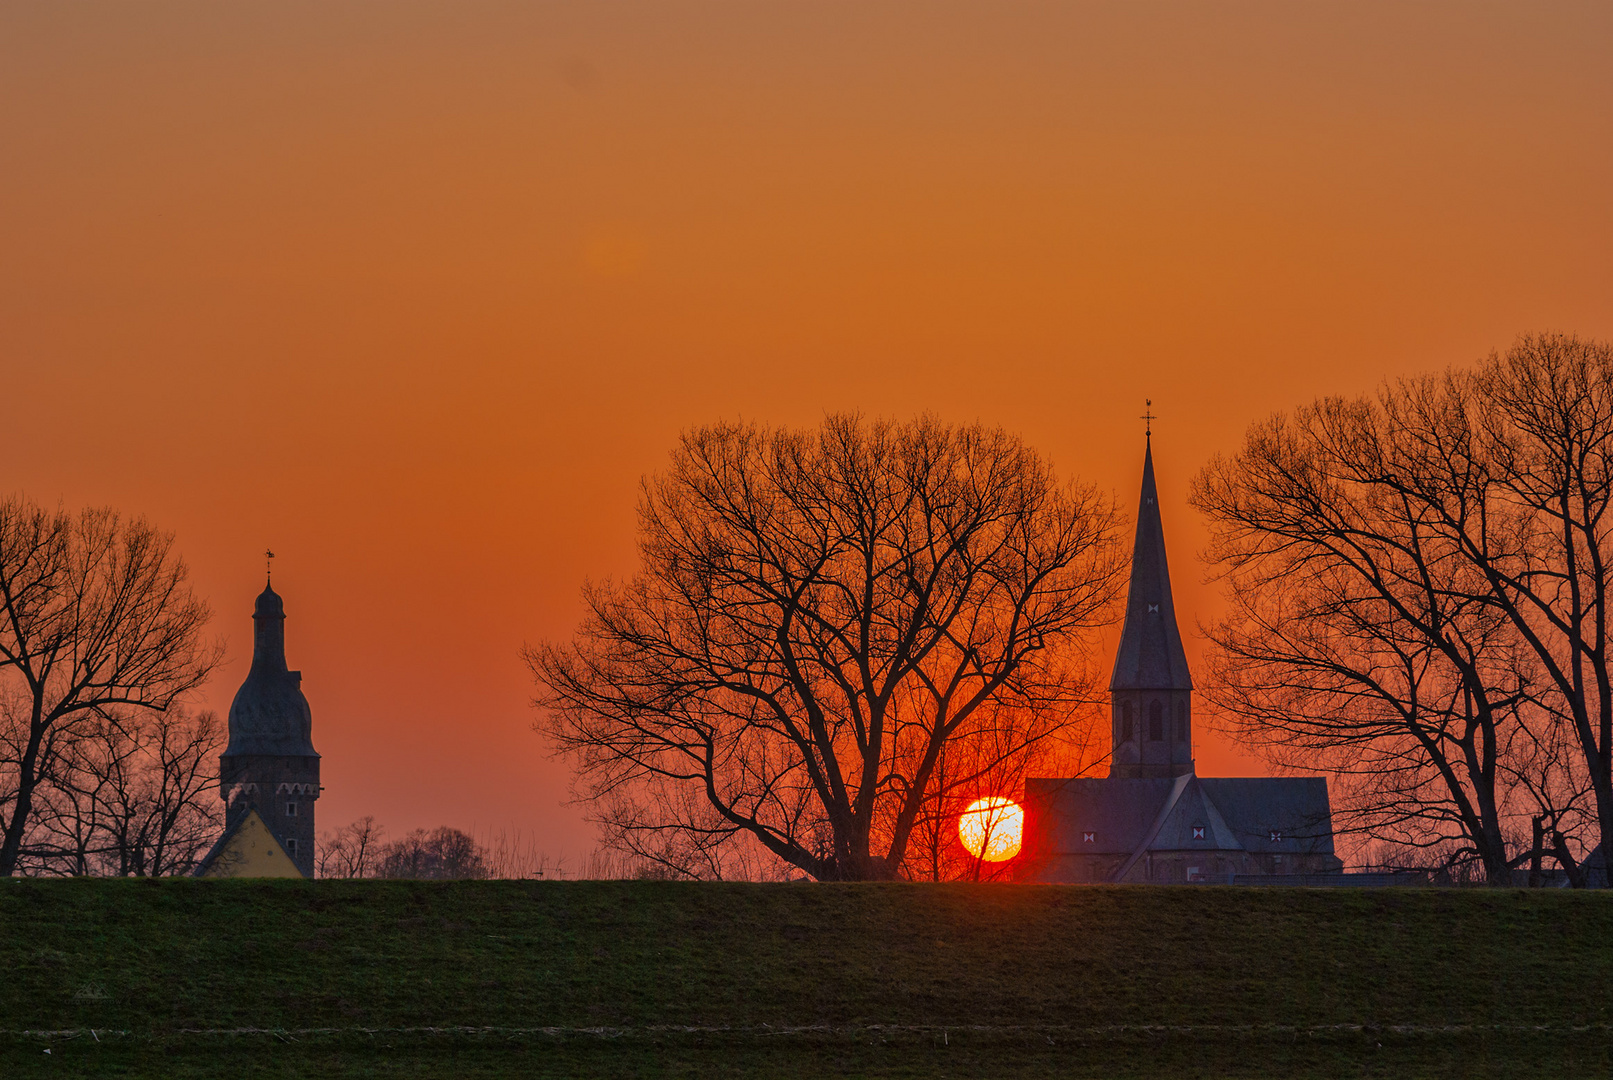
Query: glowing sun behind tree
[991, 828]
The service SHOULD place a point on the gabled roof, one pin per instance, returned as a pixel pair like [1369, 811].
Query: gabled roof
[1119, 813]
[1150, 655]
[1267, 815]
[248, 848]
[1295, 807]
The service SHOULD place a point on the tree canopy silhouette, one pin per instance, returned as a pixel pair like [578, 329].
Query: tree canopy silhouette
[98, 626]
[1419, 587]
[817, 617]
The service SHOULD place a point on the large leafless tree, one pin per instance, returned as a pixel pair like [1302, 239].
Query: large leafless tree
[98, 626]
[131, 794]
[1418, 587]
[818, 617]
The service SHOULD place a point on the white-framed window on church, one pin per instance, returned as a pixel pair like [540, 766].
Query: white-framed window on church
[291, 809]
[291, 848]
[1127, 726]
[1156, 720]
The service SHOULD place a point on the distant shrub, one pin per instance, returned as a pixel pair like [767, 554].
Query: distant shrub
[441, 854]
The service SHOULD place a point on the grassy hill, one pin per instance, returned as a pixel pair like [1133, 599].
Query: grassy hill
[262, 978]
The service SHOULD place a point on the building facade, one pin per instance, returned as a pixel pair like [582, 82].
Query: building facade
[1153, 818]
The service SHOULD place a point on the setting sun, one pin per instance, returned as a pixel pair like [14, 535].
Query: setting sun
[991, 828]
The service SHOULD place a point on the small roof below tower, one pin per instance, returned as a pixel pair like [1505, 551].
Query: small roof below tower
[248, 848]
[1150, 656]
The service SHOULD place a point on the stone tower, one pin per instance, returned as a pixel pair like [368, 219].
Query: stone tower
[270, 764]
[1151, 692]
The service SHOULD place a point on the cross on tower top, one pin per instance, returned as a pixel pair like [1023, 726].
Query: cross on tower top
[268, 563]
[1148, 417]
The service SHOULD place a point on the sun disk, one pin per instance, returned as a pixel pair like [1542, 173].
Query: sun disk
[991, 828]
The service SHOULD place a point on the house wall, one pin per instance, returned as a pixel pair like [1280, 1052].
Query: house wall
[1175, 867]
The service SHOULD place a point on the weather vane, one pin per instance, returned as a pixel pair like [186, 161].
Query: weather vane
[1148, 416]
[268, 563]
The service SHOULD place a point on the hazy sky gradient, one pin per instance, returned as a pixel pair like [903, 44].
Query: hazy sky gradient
[416, 293]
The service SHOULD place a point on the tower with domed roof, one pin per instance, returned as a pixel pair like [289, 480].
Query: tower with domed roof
[270, 764]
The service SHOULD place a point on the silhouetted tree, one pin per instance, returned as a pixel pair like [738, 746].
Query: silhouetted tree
[353, 851]
[131, 795]
[97, 626]
[442, 854]
[818, 617]
[1418, 587]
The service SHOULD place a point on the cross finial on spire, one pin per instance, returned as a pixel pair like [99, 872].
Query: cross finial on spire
[268, 564]
[1148, 417]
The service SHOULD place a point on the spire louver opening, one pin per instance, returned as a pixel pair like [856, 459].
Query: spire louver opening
[1150, 656]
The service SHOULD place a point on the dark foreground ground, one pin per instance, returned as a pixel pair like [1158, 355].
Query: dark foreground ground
[339, 979]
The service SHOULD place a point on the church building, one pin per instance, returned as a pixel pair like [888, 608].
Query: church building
[1153, 818]
[269, 772]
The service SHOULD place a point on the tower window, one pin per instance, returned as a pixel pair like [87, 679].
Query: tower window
[1126, 725]
[291, 848]
[1156, 720]
[291, 809]
[1181, 721]
[1089, 838]
[1198, 832]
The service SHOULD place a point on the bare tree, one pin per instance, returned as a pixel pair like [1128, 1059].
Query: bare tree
[1546, 420]
[818, 616]
[353, 851]
[154, 776]
[442, 854]
[132, 795]
[96, 620]
[1417, 586]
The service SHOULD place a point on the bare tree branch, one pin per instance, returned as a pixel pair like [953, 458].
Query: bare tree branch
[817, 618]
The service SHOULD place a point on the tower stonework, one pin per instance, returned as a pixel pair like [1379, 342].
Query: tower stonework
[1151, 691]
[270, 764]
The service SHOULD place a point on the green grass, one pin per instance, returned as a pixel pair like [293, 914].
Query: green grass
[274, 978]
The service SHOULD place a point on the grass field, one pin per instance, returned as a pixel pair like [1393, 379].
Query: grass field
[337, 979]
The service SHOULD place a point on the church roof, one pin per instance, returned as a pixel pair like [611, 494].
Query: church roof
[248, 848]
[270, 715]
[1264, 815]
[1150, 656]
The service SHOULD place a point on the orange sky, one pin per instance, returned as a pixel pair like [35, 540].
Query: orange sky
[415, 293]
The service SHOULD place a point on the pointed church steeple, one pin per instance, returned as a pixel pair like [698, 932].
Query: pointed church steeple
[1150, 656]
[1151, 688]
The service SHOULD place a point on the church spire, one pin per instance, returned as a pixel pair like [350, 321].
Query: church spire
[1150, 656]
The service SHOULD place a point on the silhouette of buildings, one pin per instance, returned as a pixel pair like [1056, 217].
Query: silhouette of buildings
[1153, 818]
[269, 772]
